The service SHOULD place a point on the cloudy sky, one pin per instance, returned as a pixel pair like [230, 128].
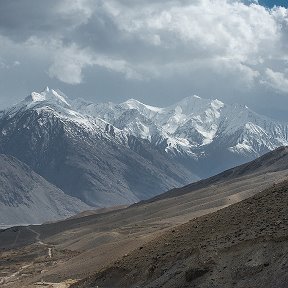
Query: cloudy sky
[155, 51]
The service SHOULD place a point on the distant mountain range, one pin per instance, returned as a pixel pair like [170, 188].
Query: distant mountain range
[111, 154]
[207, 136]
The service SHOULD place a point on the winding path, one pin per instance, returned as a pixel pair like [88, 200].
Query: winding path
[10, 278]
[37, 238]
[37, 235]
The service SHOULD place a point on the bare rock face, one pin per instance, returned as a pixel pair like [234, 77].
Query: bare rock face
[27, 198]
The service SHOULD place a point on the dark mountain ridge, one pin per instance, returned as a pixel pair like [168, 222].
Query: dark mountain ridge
[27, 198]
[273, 161]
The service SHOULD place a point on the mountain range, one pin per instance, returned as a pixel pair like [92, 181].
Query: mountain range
[207, 136]
[85, 156]
[110, 154]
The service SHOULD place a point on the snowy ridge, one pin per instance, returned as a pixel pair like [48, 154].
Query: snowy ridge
[55, 104]
[193, 129]
[49, 95]
[194, 124]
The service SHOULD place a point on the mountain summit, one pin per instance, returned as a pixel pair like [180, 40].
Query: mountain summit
[48, 95]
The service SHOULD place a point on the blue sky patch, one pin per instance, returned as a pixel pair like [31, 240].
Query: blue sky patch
[272, 3]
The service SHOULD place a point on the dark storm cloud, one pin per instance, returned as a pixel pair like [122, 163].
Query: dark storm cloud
[21, 19]
[154, 51]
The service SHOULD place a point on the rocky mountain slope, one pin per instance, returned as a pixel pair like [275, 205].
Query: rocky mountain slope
[27, 198]
[86, 156]
[243, 245]
[264, 166]
[208, 136]
[85, 245]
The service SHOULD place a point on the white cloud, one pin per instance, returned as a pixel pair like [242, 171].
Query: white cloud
[276, 80]
[117, 65]
[242, 45]
[78, 11]
[224, 36]
[216, 27]
[16, 63]
[68, 63]
[235, 36]
[65, 62]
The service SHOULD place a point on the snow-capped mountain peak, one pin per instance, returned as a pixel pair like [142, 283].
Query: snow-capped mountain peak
[50, 106]
[51, 96]
[192, 127]
[135, 104]
[85, 155]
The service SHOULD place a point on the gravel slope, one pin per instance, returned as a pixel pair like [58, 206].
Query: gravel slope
[243, 245]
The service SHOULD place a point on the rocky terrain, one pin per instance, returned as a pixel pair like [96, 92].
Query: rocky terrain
[91, 243]
[243, 245]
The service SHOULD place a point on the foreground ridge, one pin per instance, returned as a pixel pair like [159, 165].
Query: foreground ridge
[243, 245]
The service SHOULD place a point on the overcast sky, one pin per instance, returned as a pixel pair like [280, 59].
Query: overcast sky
[155, 51]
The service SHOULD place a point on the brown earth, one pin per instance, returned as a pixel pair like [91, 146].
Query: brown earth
[243, 245]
